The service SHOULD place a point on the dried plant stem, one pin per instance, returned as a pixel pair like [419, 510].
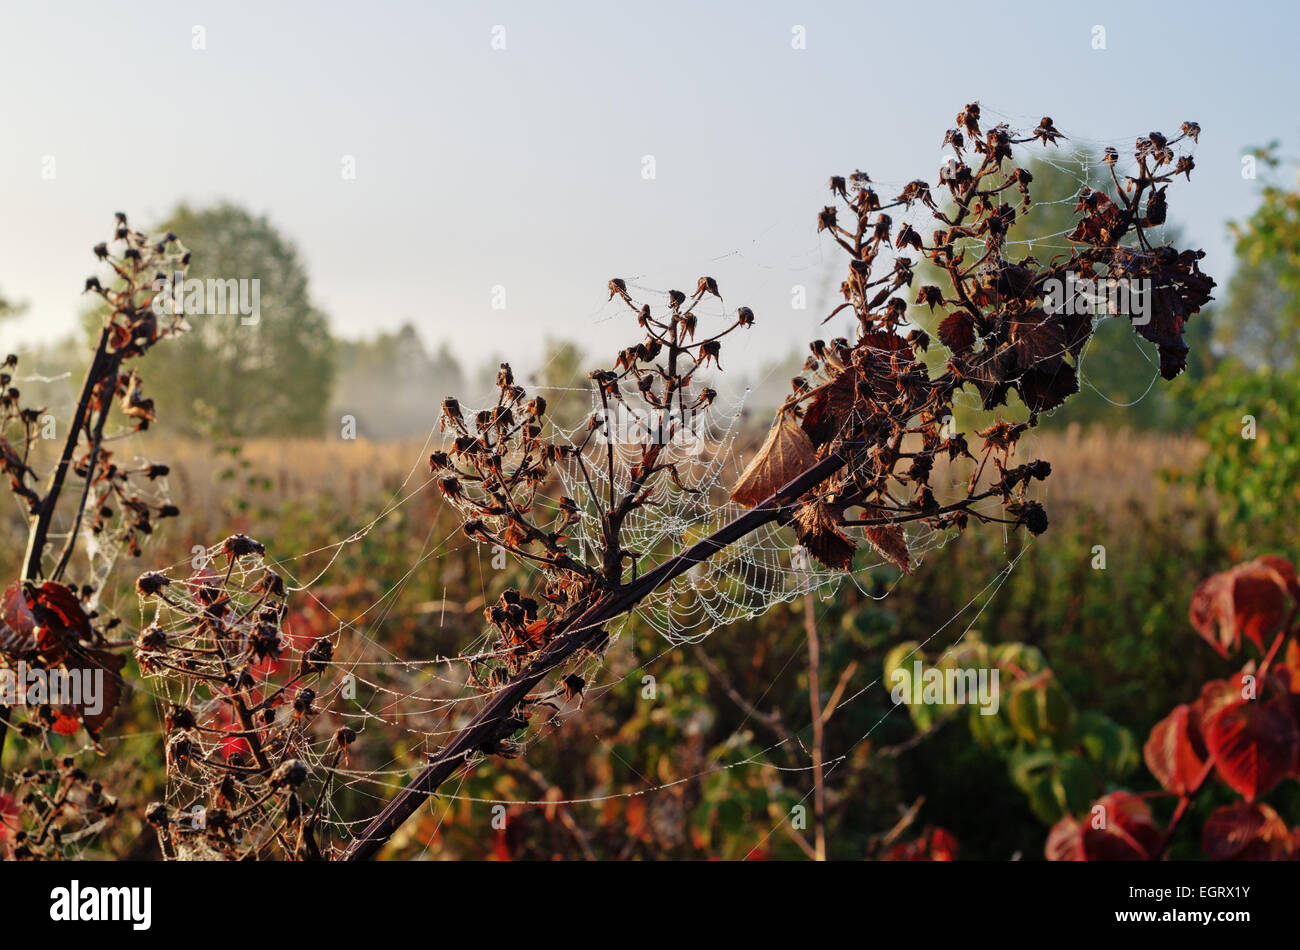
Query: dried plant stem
[818, 725]
[575, 634]
[40, 530]
[110, 371]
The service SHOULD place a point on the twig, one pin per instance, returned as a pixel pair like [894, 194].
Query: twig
[818, 725]
[40, 530]
[772, 720]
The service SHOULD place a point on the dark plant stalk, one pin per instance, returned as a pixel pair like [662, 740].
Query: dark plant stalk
[583, 630]
[97, 442]
[818, 725]
[40, 529]
[1184, 801]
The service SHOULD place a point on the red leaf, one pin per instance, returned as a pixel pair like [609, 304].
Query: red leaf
[106, 666]
[1253, 744]
[1044, 390]
[1038, 341]
[829, 407]
[1285, 570]
[1118, 827]
[1065, 841]
[501, 846]
[891, 542]
[935, 844]
[943, 845]
[1247, 831]
[59, 600]
[17, 624]
[1251, 600]
[65, 722]
[816, 527]
[784, 455]
[1215, 696]
[1291, 665]
[10, 823]
[1175, 751]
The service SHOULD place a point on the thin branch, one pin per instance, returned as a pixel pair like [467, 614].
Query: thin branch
[40, 530]
[818, 725]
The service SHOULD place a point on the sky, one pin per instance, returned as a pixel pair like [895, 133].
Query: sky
[523, 169]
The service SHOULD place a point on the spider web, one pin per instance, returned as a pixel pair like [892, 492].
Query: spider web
[707, 453]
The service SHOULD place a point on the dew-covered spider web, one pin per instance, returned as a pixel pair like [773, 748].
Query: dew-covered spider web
[707, 453]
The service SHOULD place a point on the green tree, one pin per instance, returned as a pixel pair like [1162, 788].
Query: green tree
[390, 383]
[562, 379]
[272, 377]
[1251, 429]
[1260, 322]
[10, 309]
[1249, 410]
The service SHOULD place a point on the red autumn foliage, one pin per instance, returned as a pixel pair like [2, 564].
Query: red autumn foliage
[47, 626]
[9, 824]
[935, 844]
[1251, 600]
[1248, 831]
[1253, 744]
[1175, 752]
[1244, 729]
[1119, 827]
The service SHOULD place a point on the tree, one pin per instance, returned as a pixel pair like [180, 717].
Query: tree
[388, 383]
[268, 373]
[8, 308]
[1260, 322]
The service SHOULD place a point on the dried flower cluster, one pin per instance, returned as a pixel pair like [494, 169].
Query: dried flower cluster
[51, 626]
[498, 462]
[243, 707]
[51, 811]
[873, 399]
[851, 456]
[143, 266]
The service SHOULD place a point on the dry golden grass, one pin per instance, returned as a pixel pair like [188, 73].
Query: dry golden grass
[1103, 471]
[352, 472]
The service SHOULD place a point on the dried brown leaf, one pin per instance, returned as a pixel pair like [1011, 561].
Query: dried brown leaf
[829, 407]
[815, 524]
[785, 454]
[890, 541]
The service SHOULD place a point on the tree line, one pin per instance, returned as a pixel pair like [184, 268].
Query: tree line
[289, 375]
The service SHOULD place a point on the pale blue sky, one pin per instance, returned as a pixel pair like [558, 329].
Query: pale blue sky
[522, 167]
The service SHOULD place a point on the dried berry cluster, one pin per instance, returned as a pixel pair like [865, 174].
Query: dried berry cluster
[240, 723]
[143, 267]
[498, 462]
[853, 452]
[874, 401]
[51, 811]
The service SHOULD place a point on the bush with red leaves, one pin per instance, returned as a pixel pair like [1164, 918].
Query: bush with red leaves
[1243, 730]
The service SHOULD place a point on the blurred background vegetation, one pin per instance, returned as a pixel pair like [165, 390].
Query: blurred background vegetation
[1168, 482]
